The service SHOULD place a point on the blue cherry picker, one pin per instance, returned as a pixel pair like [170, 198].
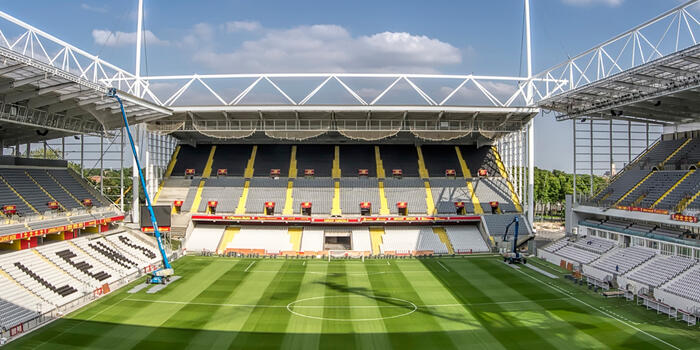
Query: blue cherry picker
[162, 275]
[514, 256]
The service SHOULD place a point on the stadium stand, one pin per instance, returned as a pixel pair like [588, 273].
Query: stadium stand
[556, 245]
[480, 158]
[594, 245]
[272, 157]
[316, 157]
[624, 260]
[175, 189]
[272, 239]
[576, 254]
[225, 190]
[191, 158]
[355, 157]
[497, 224]
[466, 239]
[438, 158]
[401, 240]
[687, 285]
[361, 240]
[428, 240]
[404, 157]
[233, 158]
[410, 190]
[625, 181]
[657, 154]
[312, 239]
[659, 270]
[494, 189]
[318, 191]
[448, 191]
[52, 187]
[18, 304]
[78, 188]
[687, 188]
[30, 191]
[265, 189]
[354, 191]
[9, 197]
[652, 188]
[686, 156]
[205, 238]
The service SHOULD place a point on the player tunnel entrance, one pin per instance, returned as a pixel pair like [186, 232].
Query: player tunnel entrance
[337, 240]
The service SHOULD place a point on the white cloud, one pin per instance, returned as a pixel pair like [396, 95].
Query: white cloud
[202, 34]
[594, 2]
[332, 48]
[91, 8]
[109, 38]
[242, 26]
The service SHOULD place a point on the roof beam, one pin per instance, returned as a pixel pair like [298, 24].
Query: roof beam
[48, 100]
[21, 82]
[21, 96]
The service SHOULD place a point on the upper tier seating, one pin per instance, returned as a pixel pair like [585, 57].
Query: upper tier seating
[653, 188]
[466, 239]
[354, 157]
[9, 197]
[661, 269]
[658, 154]
[687, 285]
[428, 240]
[317, 157]
[273, 157]
[318, 191]
[272, 239]
[497, 225]
[687, 188]
[30, 191]
[265, 189]
[438, 158]
[354, 191]
[233, 158]
[411, 190]
[404, 157]
[621, 185]
[448, 191]
[175, 189]
[401, 240]
[191, 158]
[53, 188]
[76, 188]
[225, 190]
[624, 260]
[480, 158]
[688, 155]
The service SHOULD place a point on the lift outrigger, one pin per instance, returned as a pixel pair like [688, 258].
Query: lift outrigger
[514, 256]
[162, 275]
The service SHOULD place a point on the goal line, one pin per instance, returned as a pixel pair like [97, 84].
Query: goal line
[346, 254]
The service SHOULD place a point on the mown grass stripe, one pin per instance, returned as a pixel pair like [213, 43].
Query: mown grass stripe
[335, 334]
[368, 334]
[306, 333]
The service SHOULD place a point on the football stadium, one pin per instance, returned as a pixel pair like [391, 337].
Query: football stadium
[348, 209]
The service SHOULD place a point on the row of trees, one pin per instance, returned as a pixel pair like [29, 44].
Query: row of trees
[551, 188]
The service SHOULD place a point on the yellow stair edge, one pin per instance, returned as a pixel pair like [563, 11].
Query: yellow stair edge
[504, 174]
[51, 263]
[687, 141]
[229, 233]
[197, 197]
[10, 278]
[289, 200]
[18, 195]
[295, 234]
[66, 190]
[429, 202]
[690, 172]
[383, 203]
[691, 200]
[463, 164]
[633, 188]
[250, 166]
[44, 190]
[168, 172]
[293, 163]
[470, 186]
[240, 209]
[335, 210]
[336, 163]
[422, 171]
[444, 238]
[210, 161]
[375, 235]
[380, 165]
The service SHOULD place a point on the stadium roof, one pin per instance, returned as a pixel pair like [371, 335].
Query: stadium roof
[666, 90]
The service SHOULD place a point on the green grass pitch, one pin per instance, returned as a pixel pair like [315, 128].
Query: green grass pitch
[467, 303]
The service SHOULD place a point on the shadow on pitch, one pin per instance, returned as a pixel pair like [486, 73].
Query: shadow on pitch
[382, 298]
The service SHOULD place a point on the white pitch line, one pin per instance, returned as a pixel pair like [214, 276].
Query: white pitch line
[251, 264]
[443, 266]
[387, 262]
[601, 311]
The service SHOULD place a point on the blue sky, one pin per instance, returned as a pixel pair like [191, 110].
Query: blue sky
[458, 37]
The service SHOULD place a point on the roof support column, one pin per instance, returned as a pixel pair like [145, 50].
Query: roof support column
[573, 121]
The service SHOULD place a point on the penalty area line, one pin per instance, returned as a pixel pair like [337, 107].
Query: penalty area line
[443, 266]
[251, 264]
[562, 291]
